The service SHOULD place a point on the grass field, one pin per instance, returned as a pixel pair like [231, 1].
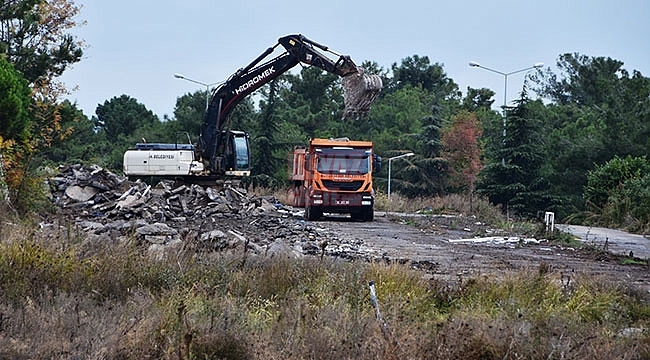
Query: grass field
[64, 297]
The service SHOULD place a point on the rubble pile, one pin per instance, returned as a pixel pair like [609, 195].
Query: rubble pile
[166, 217]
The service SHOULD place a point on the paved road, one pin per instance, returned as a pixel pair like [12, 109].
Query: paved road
[615, 241]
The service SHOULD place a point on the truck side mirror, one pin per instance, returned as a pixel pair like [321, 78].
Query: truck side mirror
[376, 163]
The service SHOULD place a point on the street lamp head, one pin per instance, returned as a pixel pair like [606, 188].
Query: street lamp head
[400, 156]
[538, 65]
[179, 76]
[389, 167]
[474, 64]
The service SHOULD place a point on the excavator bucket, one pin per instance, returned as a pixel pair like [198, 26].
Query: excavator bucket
[359, 92]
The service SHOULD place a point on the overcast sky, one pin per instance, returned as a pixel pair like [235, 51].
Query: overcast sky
[136, 46]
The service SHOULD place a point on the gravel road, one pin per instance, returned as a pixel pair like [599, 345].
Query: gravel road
[446, 251]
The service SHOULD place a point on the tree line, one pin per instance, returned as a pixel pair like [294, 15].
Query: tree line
[576, 139]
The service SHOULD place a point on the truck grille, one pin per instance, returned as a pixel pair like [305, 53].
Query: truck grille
[343, 186]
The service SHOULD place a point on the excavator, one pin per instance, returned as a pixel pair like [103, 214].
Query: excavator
[225, 153]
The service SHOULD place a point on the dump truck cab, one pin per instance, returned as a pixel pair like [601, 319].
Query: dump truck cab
[335, 176]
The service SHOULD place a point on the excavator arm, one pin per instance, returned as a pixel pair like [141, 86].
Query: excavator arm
[360, 90]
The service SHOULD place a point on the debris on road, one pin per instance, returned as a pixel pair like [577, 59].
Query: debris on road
[497, 240]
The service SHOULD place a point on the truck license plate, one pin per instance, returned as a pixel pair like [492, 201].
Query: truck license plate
[342, 202]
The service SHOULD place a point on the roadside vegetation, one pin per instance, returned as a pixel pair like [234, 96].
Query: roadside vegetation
[64, 297]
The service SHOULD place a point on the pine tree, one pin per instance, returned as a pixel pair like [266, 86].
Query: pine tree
[513, 178]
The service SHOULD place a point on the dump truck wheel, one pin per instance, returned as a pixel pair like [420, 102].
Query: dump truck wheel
[296, 196]
[313, 213]
[368, 214]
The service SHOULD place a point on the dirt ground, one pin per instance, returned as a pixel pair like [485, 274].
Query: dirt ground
[436, 246]
[449, 248]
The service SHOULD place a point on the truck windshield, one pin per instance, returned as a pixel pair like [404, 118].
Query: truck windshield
[343, 161]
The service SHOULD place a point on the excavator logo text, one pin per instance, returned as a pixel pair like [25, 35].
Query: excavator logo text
[162, 156]
[243, 87]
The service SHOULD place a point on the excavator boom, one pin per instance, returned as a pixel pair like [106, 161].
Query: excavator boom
[360, 91]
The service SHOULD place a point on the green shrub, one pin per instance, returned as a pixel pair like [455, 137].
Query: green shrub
[618, 194]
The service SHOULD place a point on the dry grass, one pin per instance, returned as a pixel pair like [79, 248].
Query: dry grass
[448, 204]
[65, 298]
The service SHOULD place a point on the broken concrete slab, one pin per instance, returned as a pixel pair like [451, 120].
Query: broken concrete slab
[80, 193]
[281, 250]
[157, 239]
[161, 252]
[156, 229]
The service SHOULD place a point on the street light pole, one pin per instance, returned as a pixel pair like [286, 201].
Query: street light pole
[505, 90]
[207, 87]
[389, 167]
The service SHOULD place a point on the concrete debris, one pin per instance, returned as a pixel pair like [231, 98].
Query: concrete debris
[168, 218]
[497, 240]
[79, 193]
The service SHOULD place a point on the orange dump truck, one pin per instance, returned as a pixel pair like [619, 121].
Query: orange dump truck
[335, 176]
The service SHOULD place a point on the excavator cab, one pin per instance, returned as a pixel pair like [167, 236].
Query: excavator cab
[236, 157]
